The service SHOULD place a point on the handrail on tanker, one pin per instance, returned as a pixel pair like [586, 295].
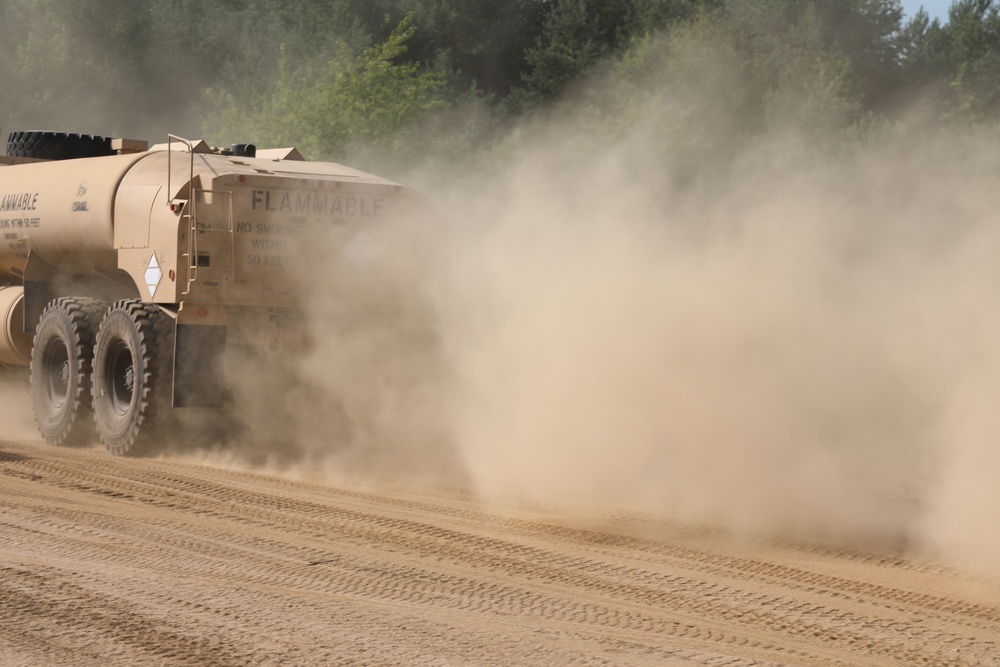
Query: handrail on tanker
[193, 232]
[191, 215]
[192, 243]
[190, 146]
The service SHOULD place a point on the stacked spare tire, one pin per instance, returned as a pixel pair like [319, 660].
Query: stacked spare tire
[57, 145]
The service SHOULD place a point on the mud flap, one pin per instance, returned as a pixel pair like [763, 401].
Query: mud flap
[198, 351]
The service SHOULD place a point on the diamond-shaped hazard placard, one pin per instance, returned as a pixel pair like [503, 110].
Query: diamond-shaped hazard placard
[153, 275]
[362, 250]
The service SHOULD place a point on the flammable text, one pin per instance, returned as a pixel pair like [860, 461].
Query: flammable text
[25, 201]
[318, 204]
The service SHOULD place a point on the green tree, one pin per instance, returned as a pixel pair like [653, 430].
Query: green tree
[973, 38]
[864, 34]
[803, 80]
[482, 42]
[355, 99]
[576, 35]
[75, 65]
[923, 50]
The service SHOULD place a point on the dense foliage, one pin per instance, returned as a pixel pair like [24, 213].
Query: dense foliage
[398, 80]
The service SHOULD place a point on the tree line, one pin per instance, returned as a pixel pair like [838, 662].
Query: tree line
[397, 80]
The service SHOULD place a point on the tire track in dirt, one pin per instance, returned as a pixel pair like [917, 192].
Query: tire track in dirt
[782, 573]
[208, 563]
[265, 518]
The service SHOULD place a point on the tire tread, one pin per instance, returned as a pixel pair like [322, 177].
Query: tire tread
[57, 145]
[84, 315]
[153, 406]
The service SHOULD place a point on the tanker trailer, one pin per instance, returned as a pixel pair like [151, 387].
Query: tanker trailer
[128, 272]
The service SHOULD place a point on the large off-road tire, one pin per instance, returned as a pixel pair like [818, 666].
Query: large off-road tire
[57, 145]
[61, 362]
[133, 371]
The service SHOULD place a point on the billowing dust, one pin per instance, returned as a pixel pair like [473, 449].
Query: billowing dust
[809, 351]
[803, 344]
[364, 393]
[15, 404]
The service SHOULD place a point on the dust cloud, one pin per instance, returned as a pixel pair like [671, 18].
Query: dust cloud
[804, 347]
[801, 347]
[802, 344]
[361, 396]
[16, 413]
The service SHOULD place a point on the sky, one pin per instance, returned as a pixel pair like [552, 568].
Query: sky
[938, 9]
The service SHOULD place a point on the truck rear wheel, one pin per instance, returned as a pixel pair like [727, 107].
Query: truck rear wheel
[61, 361]
[133, 366]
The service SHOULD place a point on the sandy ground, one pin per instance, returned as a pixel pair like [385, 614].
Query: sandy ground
[109, 561]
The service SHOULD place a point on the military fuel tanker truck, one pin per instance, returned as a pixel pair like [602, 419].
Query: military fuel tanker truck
[127, 272]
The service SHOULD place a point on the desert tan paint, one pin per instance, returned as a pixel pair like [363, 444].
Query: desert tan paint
[15, 344]
[63, 210]
[192, 226]
[114, 212]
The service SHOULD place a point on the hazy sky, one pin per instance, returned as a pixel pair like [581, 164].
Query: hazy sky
[938, 9]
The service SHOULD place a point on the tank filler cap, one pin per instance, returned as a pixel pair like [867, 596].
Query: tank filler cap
[243, 150]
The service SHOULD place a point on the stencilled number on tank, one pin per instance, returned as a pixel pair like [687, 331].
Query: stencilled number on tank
[253, 260]
[14, 241]
[204, 226]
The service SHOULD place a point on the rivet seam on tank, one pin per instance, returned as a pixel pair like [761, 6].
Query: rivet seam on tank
[153, 275]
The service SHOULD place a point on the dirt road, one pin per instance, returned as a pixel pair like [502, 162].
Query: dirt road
[109, 561]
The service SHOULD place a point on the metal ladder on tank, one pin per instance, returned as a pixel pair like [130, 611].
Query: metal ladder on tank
[189, 216]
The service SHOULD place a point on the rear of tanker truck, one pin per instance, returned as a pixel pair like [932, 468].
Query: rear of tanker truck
[127, 280]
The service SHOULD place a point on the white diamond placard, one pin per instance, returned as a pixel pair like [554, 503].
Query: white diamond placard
[362, 250]
[153, 275]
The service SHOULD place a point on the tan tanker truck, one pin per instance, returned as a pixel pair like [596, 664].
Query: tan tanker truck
[127, 272]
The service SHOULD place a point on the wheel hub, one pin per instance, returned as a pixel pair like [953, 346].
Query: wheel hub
[121, 373]
[56, 361]
[130, 379]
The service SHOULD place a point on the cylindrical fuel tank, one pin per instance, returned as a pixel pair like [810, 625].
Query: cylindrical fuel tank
[15, 345]
[62, 210]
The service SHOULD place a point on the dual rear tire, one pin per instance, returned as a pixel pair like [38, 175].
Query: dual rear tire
[133, 367]
[61, 369]
[104, 369]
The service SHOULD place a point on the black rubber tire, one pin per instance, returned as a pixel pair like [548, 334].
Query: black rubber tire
[61, 363]
[133, 373]
[57, 145]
